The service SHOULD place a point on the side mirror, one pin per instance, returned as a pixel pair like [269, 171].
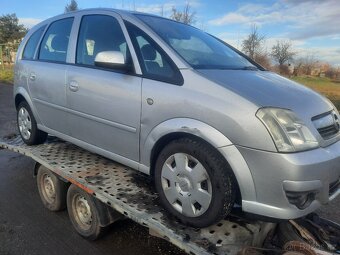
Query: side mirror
[112, 60]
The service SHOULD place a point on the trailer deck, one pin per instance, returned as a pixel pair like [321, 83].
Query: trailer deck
[131, 193]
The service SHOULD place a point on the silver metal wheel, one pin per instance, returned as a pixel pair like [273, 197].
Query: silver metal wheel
[25, 123]
[82, 212]
[48, 189]
[186, 184]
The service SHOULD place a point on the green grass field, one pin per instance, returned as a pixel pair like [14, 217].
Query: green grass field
[6, 74]
[324, 86]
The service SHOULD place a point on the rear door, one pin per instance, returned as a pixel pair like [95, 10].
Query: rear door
[104, 104]
[47, 75]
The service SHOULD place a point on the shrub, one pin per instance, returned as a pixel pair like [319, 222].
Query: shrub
[6, 75]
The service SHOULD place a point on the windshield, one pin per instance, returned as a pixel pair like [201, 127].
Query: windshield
[199, 49]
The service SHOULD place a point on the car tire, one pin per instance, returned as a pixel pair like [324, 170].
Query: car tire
[84, 213]
[27, 125]
[203, 172]
[52, 190]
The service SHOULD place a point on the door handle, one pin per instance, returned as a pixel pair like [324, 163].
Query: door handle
[73, 86]
[32, 77]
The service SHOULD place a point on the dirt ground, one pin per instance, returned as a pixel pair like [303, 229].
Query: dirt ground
[26, 227]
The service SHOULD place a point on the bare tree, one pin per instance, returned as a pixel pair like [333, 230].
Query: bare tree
[331, 72]
[72, 6]
[309, 62]
[282, 52]
[298, 67]
[187, 16]
[253, 44]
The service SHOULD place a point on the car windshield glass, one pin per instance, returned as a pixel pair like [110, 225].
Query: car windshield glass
[199, 49]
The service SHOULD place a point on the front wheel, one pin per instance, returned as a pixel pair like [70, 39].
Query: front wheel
[194, 182]
[27, 125]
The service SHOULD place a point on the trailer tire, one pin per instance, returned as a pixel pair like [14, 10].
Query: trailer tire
[52, 190]
[84, 213]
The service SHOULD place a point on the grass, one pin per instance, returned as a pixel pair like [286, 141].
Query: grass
[6, 74]
[323, 85]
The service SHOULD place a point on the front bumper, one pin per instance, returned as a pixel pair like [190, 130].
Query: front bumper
[276, 176]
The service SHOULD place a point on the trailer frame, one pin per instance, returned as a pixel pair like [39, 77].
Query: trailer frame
[131, 193]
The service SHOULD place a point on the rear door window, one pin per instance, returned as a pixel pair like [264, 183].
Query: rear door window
[55, 42]
[32, 44]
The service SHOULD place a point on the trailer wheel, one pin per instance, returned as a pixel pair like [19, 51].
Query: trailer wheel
[52, 190]
[83, 213]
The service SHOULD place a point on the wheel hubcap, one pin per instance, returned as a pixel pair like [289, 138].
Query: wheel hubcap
[186, 184]
[25, 124]
[48, 188]
[82, 212]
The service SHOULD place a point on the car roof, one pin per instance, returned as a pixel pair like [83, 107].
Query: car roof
[119, 11]
[122, 13]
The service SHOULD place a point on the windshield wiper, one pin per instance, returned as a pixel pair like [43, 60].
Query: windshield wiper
[251, 68]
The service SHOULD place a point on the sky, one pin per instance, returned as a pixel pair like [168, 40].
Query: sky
[312, 26]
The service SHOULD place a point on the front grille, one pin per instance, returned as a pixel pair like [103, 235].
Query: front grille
[328, 132]
[333, 187]
[327, 124]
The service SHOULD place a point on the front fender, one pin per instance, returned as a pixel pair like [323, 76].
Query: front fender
[210, 135]
[181, 125]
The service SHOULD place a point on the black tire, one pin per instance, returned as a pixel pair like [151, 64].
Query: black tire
[37, 136]
[57, 203]
[222, 180]
[93, 230]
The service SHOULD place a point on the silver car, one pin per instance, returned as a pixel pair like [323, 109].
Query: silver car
[210, 126]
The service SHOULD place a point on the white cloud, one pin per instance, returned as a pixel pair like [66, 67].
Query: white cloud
[230, 18]
[306, 19]
[155, 8]
[158, 9]
[29, 22]
[326, 54]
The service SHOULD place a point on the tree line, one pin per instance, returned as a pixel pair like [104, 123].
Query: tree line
[283, 58]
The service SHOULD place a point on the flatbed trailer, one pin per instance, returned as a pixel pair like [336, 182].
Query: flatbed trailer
[131, 194]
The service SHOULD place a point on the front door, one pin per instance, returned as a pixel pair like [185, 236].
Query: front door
[104, 104]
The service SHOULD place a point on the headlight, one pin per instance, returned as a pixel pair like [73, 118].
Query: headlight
[289, 133]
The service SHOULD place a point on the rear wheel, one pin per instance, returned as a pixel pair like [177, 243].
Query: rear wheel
[194, 182]
[27, 125]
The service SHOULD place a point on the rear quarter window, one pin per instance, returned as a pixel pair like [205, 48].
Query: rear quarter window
[32, 44]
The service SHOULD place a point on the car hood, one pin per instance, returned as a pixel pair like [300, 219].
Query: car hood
[267, 89]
